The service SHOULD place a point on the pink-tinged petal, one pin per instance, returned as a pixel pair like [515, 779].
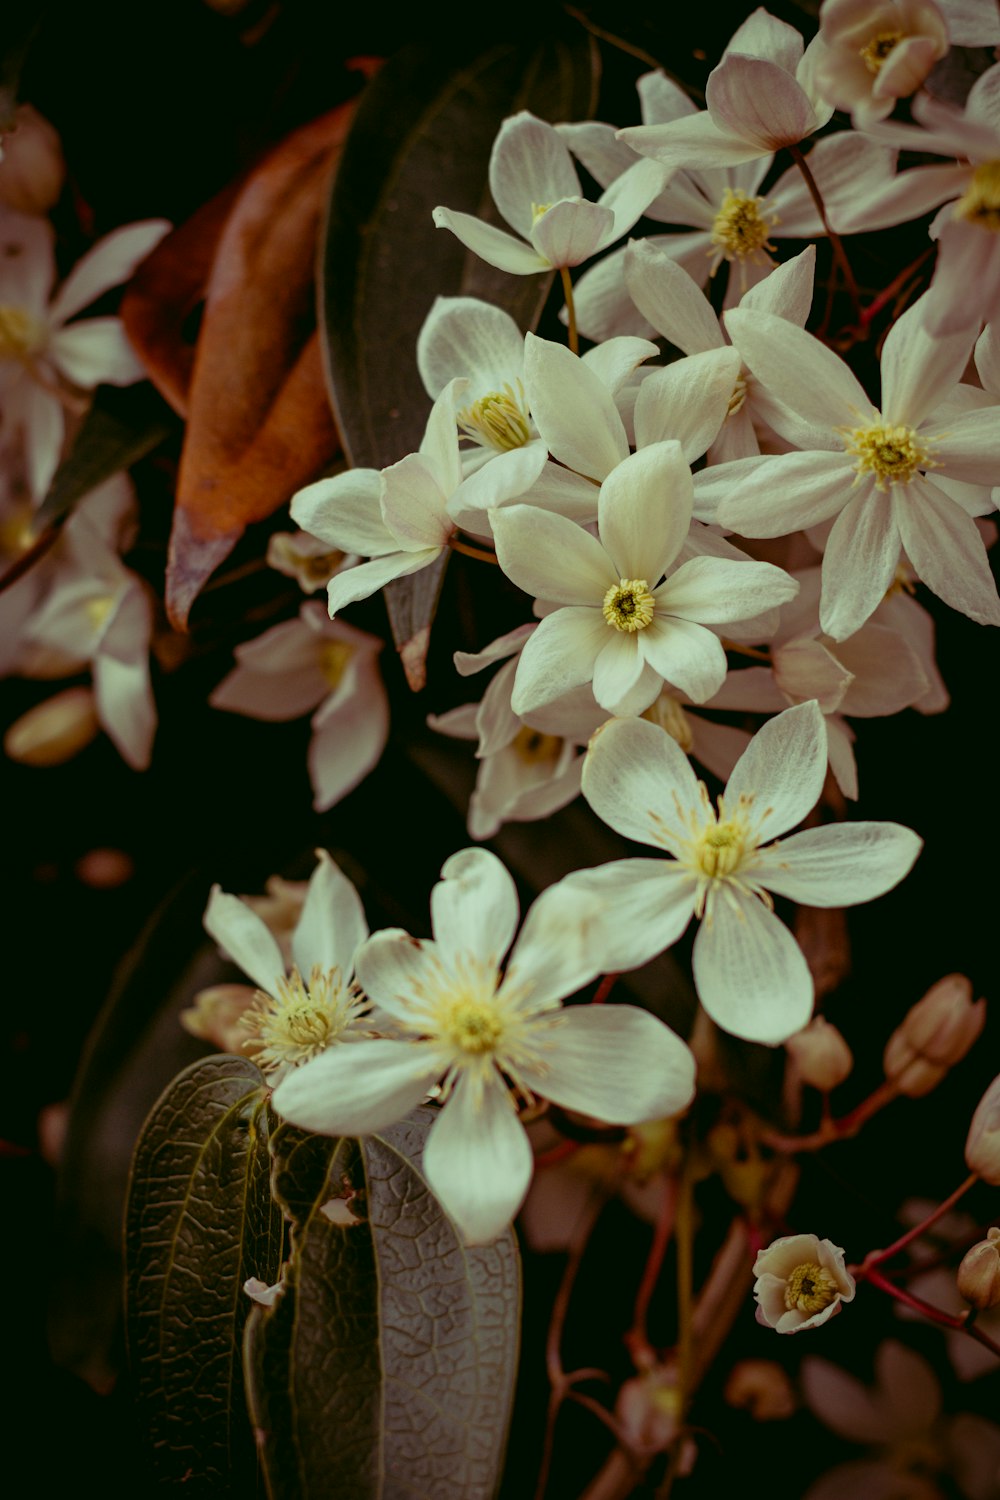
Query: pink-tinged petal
[530, 165]
[95, 352]
[717, 746]
[809, 390]
[749, 971]
[782, 770]
[970, 448]
[348, 738]
[573, 409]
[840, 752]
[906, 67]
[42, 416]
[638, 780]
[596, 146]
[670, 299]
[687, 401]
[244, 938]
[274, 695]
[983, 102]
[559, 656]
[737, 438]
[686, 655]
[715, 591]
[413, 505]
[841, 864]
[125, 706]
[644, 511]
[617, 669]
[888, 675]
[805, 669]
[630, 195]
[965, 290]
[551, 557]
[919, 370]
[763, 35]
[752, 690]
[478, 1159]
[331, 925]
[615, 1062]
[691, 144]
[495, 246]
[366, 579]
[909, 1388]
[624, 912]
[660, 99]
[848, 1408]
[463, 336]
[27, 264]
[778, 495]
[496, 722]
[358, 1088]
[572, 231]
[468, 662]
[346, 513]
[860, 559]
[946, 549]
[108, 264]
[988, 358]
[474, 908]
[564, 493]
[759, 102]
[788, 291]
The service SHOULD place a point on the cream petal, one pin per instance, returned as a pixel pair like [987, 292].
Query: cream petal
[617, 669]
[763, 35]
[782, 769]
[367, 578]
[860, 559]
[716, 591]
[778, 495]
[840, 752]
[348, 738]
[788, 291]
[559, 656]
[108, 264]
[551, 557]
[639, 781]
[530, 164]
[615, 1062]
[616, 359]
[496, 722]
[506, 477]
[574, 411]
[462, 336]
[691, 144]
[669, 299]
[331, 925]
[474, 908]
[604, 308]
[970, 448]
[810, 391]
[946, 549]
[919, 370]
[644, 511]
[125, 706]
[401, 975]
[244, 938]
[495, 246]
[468, 662]
[572, 231]
[413, 504]
[684, 653]
[42, 416]
[478, 1159]
[688, 400]
[619, 916]
[358, 1088]
[346, 512]
[95, 352]
[841, 864]
[749, 971]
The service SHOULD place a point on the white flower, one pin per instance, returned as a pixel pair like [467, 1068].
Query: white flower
[801, 1282]
[43, 363]
[750, 973]
[315, 1005]
[870, 55]
[309, 663]
[617, 624]
[477, 1032]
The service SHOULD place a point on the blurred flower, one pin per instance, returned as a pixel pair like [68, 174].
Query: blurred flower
[54, 731]
[933, 1036]
[982, 1148]
[979, 1274]
[762, 1388]
[801, 1283]
[870, 55]
[32, 168]
[819, 1054]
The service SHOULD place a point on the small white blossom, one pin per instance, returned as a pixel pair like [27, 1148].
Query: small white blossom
[801, 1282]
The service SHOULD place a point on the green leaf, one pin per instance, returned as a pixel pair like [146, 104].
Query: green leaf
[422, 136]
[199, 1221]
[124, 423]
[386, 1369]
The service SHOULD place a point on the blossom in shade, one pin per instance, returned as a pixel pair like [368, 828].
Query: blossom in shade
[726, 864]
[479, 1031]
[801, 1282]
[870, 55]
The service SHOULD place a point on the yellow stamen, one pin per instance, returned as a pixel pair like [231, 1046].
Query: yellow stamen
[533, 747]
[738, 397]
[537, 210]
[473, 1026]
[892, 453]
[628, 605]
[333, 659]
[980, 203]
[99, 608]
[497, 420]
[667, 712]
[301, 1020]
[21, 335]
[878, 48]
[741, 228]
[809, 1289]
[721, 848]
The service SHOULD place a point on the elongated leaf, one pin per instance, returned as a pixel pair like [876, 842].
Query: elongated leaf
[386, 1370]
[200, 1221]
[421, 137]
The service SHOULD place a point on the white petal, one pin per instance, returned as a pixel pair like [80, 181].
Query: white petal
[242, 935]
[615, 1062]
[626, 912]
[345, 512]
[94, 352]
[810, 391]
[530, 165]
[493, 245]
[574, 411]
[331, 925]
[366, 579]
[692, 144]
[689, 401]
[559, 656]
[918, 371]
[478, 1160]
[715, 591]
[644, 511]
[670, 300]
[781, 494]
[860, 560]
[463, 336]
[749, 971]
[788, 291]
[358, 1088]
[474, 907]
[639, 781]
[551, 557]
[947, 551]
[782, 769]
[841, 864]
[684, 653]
[108, 264]
[572, 231]
[348, 738]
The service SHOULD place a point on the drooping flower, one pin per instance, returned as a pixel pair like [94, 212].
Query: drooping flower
[801, 1282]
[478, 1031]
[870, 55]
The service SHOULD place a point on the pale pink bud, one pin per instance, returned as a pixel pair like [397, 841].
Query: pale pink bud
[979, 1273]
[762, 1388]
[934, 1036]
[820, 1055]
[982, 1149]
[53, 731]
[32, 171]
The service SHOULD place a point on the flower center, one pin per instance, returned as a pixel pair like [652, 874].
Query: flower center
[301, 1020]
[498, 419]
[980, 203]
[809, 1289]
[534, 747]
[537, 211]
[667, 712]
[17, 533]
[878, 48]
[21, 335]
[472, 1026]
[628, 604]
[892, 454]
[333, 659]
[741, 227]
[721, 848]
[99, 608]
[738, 397]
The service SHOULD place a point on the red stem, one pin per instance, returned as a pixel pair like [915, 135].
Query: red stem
[876, 1257]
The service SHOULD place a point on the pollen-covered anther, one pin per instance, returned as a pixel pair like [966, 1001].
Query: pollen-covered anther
[738, 398]
[535, 748]
[471, 1025]
[628, 604]
[809, 1289]
[300, 1020]
[892, 453]
[741, 227]
[21, 335]
[980, 203]
[497, 420]
[668, 712]
[877, 49]
[721, 848]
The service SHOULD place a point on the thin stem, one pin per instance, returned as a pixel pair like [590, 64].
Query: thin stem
[836, 245]
[830, 1129]
[468, 550]
[685, 1289]
[895, 285]
[556, 1154]
[752, 651]
[637, 1338]
[604, 989]
[574, 338]
[960, 1322]
[876, 1257]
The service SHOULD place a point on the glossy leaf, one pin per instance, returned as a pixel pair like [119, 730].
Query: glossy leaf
[386, 1369]
[422, 137]
[200, 1220]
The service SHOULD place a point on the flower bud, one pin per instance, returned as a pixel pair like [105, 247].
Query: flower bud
[32, 171]
[53, 731]
[982, 1148]
[979, 1273]
[649, 1409]
[821, 1056]
[934, 1035]
[762, 1388]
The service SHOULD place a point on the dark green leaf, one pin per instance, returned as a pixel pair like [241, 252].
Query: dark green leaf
[200, 1220]
[421, 137]
[386, 1370]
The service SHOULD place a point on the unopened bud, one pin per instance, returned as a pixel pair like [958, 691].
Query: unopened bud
[982, 1148]
[32, 171]
[821, 1056]
[649, 1409]
[934, 1036]
[762, 1388]
[53, 731]
[979, 1273]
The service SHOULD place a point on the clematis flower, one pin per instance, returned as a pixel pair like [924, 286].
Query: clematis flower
[615, 622]
[476, 1031]
[801, 1282]
[868, 56]
[45, 365]
[749, 972]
